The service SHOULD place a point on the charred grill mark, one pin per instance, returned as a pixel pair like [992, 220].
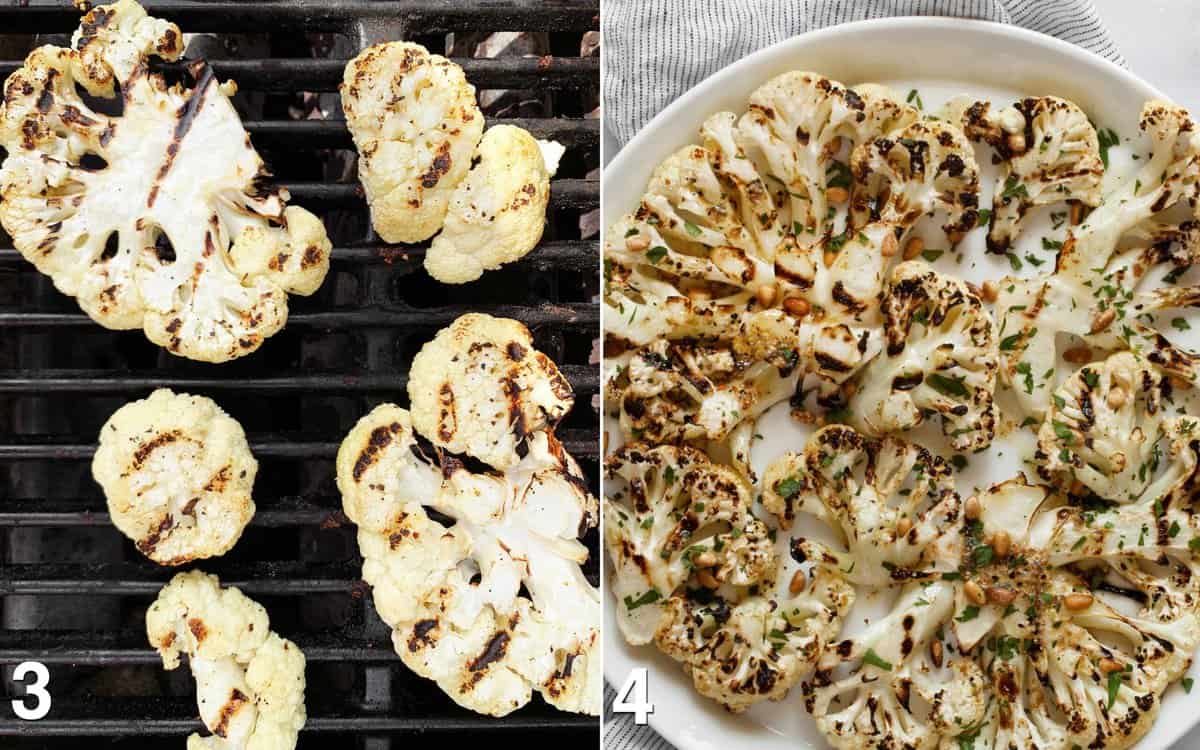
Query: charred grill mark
[515, 351]
[437, 168]
[147, 545]
[421, 635]
[236, 700]
[199, 631]
[186, 117]
[312, 256]
[145, 449]
[448, 419]
[381, 438]
[493, 652]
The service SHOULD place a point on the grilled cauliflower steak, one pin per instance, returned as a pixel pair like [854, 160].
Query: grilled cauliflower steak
[480, 388]
[249, 681]
[892, 504]
[940, 356]
[1049, 154]
[696, 572]
[415, 125]
[1093, 292]
[497, 213]
[453, 594]
[159, 218]
[177, 474]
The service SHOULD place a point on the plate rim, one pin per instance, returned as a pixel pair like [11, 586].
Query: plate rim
[673, 730]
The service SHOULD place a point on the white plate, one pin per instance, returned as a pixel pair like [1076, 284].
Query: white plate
[940, 57]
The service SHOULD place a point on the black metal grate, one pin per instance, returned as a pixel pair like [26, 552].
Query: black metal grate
[73, 591]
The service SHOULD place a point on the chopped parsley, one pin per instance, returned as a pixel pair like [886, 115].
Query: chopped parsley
[649, 597]
[1108, 138]
[692, 229]
[656, 253]
[875, 660]
[969, 613]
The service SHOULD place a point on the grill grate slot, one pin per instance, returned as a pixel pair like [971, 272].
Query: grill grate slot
[73, 591]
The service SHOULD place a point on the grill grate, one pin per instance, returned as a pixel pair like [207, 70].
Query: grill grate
[73, 591]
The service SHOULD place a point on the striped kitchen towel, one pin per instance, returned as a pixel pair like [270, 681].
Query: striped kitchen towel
[654, 50]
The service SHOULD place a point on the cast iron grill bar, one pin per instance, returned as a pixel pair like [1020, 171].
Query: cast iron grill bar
[306, 74]
[577, 133]
[568, 255]
[577, 442]
[367, 723]
[105, 648]
[564, 194]
[571, 315]
[430, 16]
[61, 514]
[585, 381]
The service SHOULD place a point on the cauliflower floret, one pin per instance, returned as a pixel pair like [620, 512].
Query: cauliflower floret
[177, 474]
[1092, 292]
[669, 514]
[415, 125]
[756, 649]
[159, 218]
[498, 211]
[249, 681]
[1109, 428]
[480, 388]
[940, 357]
[1049, 154]
[892, 503]
[453, 594]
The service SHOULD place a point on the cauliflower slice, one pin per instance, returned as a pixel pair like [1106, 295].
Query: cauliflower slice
[892, 503]
[498, 210]
[480, 388]
[670, 513]
[453, 594]
[1093, 291]
[159, 218]
[249, 681]
[940, 357]
[1109, 428]
[415, 125]
[177, 474]
[1049, 154]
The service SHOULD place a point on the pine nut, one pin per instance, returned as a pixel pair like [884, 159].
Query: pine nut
[766, 294]
[904, 526]
[797, 306]
[706, 579]
[1108, 666]
[1078, 602]
[705, 560]
[1001, 544]
[973, 509]
[697, 294]
[837, 195]
[935, 653]
[1016, 143]
[637, 243]
[1104, 320]
[913, 248]
[1076, 213]
[1000, 595]
[798, 582]
[1078, 355]
[830, 258]
[991, 291]
[975, 592]
[890, 245]
[1116, 398]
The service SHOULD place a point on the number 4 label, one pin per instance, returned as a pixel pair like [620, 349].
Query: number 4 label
[634, 697]
[36, 703]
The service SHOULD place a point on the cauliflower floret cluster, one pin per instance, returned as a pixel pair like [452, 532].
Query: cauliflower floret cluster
[249, 681]
[177, 474]
[427, 166]
[159, 218]
[696, 572]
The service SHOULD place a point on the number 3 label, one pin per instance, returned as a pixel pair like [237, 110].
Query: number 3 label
[634, 697]
[36, 703]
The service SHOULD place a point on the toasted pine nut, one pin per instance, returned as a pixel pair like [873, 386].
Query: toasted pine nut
[1078, 355]
[1068, 247]
[706, 579]
[837, 195]
[798, 582]
[955, 237]
[850, 389]
[975, 592]
[1000, 595]
[1178, 383]
[973, 508]
[1001, 544]
[830, 258]
[1016, 143]
[935, 652]
[913, 248]
[1108, 666]
[991, 291]
[903, 526]
[1076, 213]
[698, 294]
[1077, 487]
[1116, 398]
[705, 560]
[1077, 602]
[890, 245]
[637, 243]
[797, 306]
[766, 294]
[1104, 320]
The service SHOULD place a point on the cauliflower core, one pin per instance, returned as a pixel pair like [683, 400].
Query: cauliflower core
[453, 593]
[497, 212]
[695, 571]
[177, 473]
[415, 124]
[480, 388]
[249, 681]
[159, 218]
